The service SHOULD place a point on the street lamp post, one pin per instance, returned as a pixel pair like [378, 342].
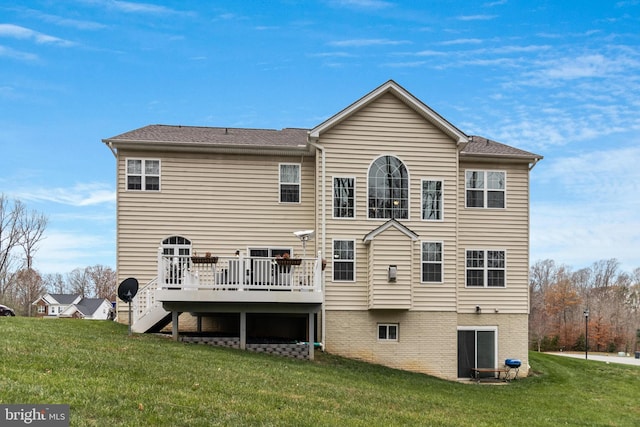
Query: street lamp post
[586, 333]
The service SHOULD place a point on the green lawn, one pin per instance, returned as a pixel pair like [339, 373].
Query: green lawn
[111, 379]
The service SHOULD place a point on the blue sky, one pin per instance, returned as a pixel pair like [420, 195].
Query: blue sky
[559, 78]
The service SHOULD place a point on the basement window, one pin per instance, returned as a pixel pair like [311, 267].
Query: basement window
[388, 332]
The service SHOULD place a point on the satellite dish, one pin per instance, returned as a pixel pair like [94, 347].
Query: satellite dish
[128, 289]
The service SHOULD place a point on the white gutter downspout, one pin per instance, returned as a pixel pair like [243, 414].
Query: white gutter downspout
[323, 227]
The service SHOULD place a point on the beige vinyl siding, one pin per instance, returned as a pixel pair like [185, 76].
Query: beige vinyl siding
[501, 229]
[391, 247]
[389, 127]
[220, 202]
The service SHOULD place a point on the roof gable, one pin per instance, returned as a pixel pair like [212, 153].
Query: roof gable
[88, 306]
[61, 299]
[394, 88]
[391, 223]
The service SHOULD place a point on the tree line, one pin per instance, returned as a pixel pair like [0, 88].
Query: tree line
[560, 298]
[21, 231]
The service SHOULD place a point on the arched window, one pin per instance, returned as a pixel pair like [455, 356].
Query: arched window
[388, 189]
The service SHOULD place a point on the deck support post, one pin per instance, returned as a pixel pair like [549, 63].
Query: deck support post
[243, 330]
[174, 325]
[311, 338]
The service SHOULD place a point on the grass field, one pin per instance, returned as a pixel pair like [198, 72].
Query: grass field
[111, 379]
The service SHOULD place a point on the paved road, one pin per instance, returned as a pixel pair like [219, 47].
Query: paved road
[601, 358]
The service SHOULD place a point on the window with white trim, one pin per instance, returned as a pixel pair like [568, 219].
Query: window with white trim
[290, 183]
[143, 175]
[344, 197]
[343, 260]
[485, 189]
[432, 262]
[388, 331]
[42, 309]
[485, 268]
[431, 200]
[388, 189]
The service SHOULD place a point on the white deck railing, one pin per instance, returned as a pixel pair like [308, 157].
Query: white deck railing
[239, 273]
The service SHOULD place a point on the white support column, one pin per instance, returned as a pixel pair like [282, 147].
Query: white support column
[311, 340]
[174, 325]
[243, 330]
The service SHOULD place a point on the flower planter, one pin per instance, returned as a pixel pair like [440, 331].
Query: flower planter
[288, 261]
[204, 259]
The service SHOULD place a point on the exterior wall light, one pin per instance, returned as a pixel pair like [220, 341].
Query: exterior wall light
[393, 273]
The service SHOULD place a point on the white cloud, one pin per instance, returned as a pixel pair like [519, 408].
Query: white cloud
[580, 234]
[591, 209]
[79, 195]
[362, 4]
[368, 42]
[67, 22]
[62, 251]
[22, 33]
[476, 17]
[599, 176]
[131, 7]
[15, 54]
[461, 41]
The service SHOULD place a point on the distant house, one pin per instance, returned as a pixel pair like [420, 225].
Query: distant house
[73, 305]
[385, 234]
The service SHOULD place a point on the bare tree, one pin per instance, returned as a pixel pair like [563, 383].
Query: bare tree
[104, 281]
[31, 226]
[543, 274]
[80, 282]
[604, 272]
[10, 214]
[55, 283]
[29, 286]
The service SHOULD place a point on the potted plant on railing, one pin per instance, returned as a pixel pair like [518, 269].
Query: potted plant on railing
[206, 259]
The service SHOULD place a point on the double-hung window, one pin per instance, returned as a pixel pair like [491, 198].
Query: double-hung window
[343, 260]
[485, 268]
[485, 189]
[432, 262]
[387, 332]
[431, 200]
[344, 197]
[143, 174]
[289, 183]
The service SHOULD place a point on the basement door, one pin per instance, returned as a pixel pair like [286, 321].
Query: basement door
[476, 349]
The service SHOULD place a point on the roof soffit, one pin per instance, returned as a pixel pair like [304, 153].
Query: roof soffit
[394, 88]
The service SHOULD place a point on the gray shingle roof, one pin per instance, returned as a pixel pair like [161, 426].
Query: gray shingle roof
[288, 137]
[65, 298]
[88, 306]
[479, 145]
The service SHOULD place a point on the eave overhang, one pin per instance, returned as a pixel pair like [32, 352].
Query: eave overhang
[199, 147]
[368, 238]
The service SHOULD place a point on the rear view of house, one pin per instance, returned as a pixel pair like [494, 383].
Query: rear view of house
[384, 234]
